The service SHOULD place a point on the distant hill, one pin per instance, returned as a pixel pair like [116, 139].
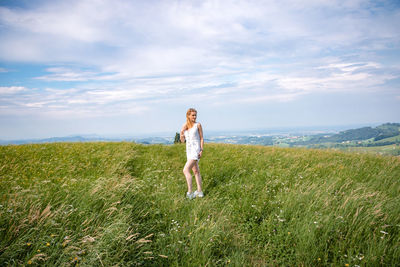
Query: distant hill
[387, 134]
[388, 130]
[78, 138]
[378, 133]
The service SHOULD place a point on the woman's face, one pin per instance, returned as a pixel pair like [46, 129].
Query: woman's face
[193, 116]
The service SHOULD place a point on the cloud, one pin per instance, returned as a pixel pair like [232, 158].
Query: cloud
[127, 55]
[71, 102]
[181, 34]
[9, 90]
[57, 19]
[68, 75]
[92, 96]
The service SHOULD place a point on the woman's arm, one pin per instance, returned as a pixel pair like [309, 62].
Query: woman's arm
[182, 133]
[201, 140]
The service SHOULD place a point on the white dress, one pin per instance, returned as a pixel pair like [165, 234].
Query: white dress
[192, 137]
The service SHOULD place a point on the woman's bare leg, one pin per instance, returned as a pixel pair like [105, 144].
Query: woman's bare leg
[196, 171]
[186, 171]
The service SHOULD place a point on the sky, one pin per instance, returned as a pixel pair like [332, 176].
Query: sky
[134, 67]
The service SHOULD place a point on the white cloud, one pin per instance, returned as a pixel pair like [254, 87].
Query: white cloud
[217, 88]
[7, 90]
[352, 66]
[67, 75]
[160, 35]
[286, 97]
[56, 19]
[71, 102]
[125, 55]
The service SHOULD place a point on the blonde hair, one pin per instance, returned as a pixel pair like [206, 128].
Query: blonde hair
[189, 124]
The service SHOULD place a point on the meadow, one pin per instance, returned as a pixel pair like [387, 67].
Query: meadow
[123, 204]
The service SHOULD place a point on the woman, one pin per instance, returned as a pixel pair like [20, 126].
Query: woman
[192, 132]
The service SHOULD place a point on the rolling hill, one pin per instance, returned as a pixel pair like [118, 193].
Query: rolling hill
[106, 204]
[378, 133]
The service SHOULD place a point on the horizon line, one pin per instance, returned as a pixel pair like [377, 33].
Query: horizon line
[170, 134]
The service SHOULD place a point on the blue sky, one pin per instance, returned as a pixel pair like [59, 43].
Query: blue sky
[135, 67]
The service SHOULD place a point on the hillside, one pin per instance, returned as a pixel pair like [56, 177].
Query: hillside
[380, 132]
[383, 139]
[103, 204]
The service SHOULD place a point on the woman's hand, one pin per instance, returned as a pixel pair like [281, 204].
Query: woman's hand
[201, 153]
[182, 133]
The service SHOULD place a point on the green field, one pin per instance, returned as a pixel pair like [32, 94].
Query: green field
[390, 139]
[393, 150]
[108, 204]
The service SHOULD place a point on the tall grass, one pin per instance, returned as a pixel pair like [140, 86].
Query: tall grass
[102, 204]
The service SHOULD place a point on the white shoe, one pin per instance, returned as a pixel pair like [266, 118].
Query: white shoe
[198, 194]
[190, 195]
